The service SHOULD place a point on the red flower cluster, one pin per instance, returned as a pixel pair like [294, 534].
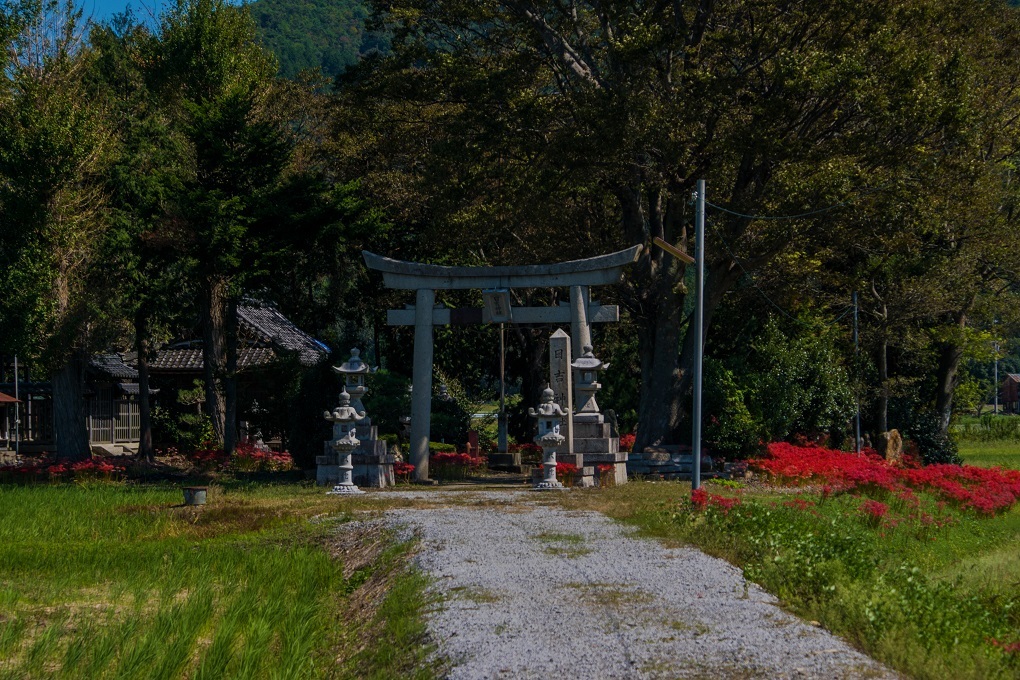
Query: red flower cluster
[627, 441]
[463, 459]
[249, 458]
[703, 499]
[1006, 647]
[799, 504]
[986, 490]
[566, 469]
[874, 510]
[403, 469]
[43, 467]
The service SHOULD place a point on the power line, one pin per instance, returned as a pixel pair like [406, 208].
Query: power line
[767, 298]
[796, 216]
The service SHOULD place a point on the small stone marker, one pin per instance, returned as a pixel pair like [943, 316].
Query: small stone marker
[560, 381]
[890, 446]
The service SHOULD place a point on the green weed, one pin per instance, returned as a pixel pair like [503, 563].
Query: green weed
[113, 580]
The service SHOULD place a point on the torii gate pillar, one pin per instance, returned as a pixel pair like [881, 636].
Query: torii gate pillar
[421, 393]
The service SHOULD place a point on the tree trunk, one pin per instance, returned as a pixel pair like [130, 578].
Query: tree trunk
[145, 450]
[947, 378]
[883, 381]
[69, 415]
[947, 374]
[214, 353]
[658, 342]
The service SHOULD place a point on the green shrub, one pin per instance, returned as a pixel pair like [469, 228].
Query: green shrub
[730, 429]
[934, 445]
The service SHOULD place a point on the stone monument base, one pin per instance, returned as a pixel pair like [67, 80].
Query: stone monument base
[505, 462]
[584, 477]
[595, 445]
[373, 467]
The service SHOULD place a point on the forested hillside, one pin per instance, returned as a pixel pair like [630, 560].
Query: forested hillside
[326, 34]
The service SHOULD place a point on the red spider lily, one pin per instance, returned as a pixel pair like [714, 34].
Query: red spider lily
[703, 499]
[1006, 647]
[449, 458]
[799, 504]
[986, 490]
[627, 441]
[874, 510]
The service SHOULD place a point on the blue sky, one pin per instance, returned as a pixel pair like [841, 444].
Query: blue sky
[100, 10]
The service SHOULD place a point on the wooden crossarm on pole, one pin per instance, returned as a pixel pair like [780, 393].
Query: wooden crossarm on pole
[673, 250]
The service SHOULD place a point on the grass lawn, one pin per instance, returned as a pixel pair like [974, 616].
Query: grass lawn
[118, 581]
[925, 596]
[1004, 453]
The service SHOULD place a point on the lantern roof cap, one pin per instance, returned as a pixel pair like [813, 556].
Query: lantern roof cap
[354, 365]
[588, 361]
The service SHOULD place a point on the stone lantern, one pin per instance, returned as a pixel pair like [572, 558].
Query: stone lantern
[586, 372]
[354, 372]
[549, 415]
[344, 418]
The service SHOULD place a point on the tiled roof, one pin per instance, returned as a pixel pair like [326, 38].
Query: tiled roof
[134, 388]
[269, 325]
[191, 359]
[112, 365]
[264, 333]
[1015, 377]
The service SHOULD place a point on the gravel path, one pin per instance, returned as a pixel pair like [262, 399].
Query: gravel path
[534, 591]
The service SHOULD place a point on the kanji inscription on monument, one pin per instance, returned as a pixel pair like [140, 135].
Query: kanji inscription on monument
[560, 382]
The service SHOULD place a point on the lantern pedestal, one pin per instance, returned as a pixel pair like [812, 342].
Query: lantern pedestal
[549, 442]
[345, 485]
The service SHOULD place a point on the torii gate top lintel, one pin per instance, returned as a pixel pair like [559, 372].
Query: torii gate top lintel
[592, 271]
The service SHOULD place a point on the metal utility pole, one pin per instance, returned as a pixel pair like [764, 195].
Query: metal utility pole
[17, 412]
[995, 347]
[501, 438]
[857, 398]
[699, 334]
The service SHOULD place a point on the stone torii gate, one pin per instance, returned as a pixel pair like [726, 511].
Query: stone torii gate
[496, 283]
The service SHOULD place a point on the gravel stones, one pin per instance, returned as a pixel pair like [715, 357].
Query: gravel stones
[534, 591]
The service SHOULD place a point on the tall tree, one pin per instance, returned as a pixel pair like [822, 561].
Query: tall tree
[522, 130]
[142, 245]
[215, 82]
[54, 149]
